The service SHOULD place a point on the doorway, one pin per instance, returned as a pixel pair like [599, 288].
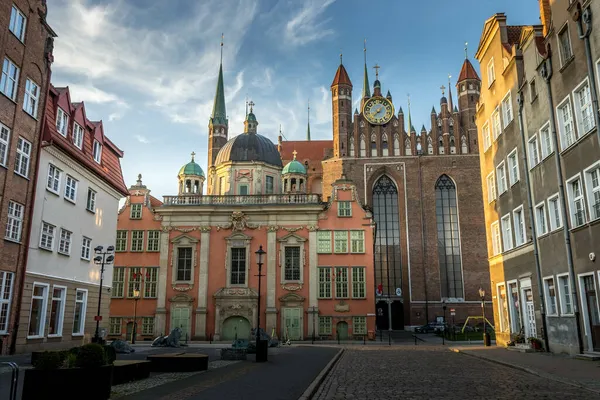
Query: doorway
[342, 330]
[233, 326]
[592, 315]
[292, 318]
[181, 317]
[129, 331]
[529, 312]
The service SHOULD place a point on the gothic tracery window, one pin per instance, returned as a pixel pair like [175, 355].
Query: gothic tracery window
[396, 145]
[363, 146]
[465, 148]
[351, 147]
[448, 238]
[407, 147]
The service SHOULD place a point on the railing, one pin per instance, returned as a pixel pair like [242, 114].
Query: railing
[275, 199]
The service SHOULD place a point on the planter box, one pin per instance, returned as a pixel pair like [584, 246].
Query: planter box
[68, 383]
[126, 371]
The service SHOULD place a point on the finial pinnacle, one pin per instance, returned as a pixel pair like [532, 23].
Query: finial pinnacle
[294, 153]
[365, 51]
[466, 50]
[341, 56]
[376, 67]
[139, 181]
[443, 90]
[222, 37]
[193, 155]
[408, 95]
[251, 104]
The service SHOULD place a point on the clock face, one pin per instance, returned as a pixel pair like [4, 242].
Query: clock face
[378, 110]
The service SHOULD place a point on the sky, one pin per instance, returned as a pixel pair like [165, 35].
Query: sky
[148, 68]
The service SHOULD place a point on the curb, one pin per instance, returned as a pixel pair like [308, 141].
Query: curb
[312, 388]
[527, 370]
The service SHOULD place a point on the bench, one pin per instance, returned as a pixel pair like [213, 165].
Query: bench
[130, 370]
[178, 362]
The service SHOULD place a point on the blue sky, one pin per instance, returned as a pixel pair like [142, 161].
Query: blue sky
[148, 68]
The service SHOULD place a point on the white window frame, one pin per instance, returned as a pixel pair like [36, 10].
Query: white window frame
[578, 110]
[562, 295]
[485, 132]
[521, 229]
[16, 14]
[491, 72]
[61, 318]
[546, 141]
[541, 219]
[47, 236]
[65, 241]
[54, 178]
[7, 77]
[507, 109]
[62, 121]
[564, 29]
[134, 209]
[4, 144]
[71, 189]
[491, 186]
[532, 93]
[551, 220]
[78, 135]
[90, 203]
[549, 305]
[496, 238]
[573, 200]
[321, 239]
[81, 330]
[591, 190]
[31, 98]
[507, 232]
[501, 178]
[496, 123]
[97, 151]
[513, 168]
[23, 157]
[565, 142]
[44, 310]
[14, 219]
[533, 151]
[86, 250]
[6, 299]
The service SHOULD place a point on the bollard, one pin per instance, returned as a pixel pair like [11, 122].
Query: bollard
[14, 380]
[389, 339]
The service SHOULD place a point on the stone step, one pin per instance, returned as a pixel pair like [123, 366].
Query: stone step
[589, 356]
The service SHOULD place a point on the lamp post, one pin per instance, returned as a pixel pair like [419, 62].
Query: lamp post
[260, 357]
[486, 341]
[102, 258]
[444, 329]
[136, 297]
[314, 313]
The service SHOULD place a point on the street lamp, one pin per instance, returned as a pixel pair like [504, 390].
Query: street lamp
[444, 329]
[136, 297]
[102, 258]
[486, 341]
[260, 356]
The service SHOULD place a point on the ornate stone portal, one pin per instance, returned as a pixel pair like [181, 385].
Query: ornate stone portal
[232, 302]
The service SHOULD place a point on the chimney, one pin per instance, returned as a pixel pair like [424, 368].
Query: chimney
[545, 15]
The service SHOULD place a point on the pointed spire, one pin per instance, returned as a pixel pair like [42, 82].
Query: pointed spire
[410, 127]
[219, 113]
[400, 111]
[423, 129]
[450, 105]
[388, 95]
[455, 109]
[366, 92]
[356, 111]
[307, 127]
[433, 110]
[467, 71]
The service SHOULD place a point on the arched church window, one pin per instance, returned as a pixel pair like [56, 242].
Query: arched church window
[363, 147]
[351, 147]
[452, 145]
[388, 253]
[407, 147]
[439, 121]
[384, 146]
[448, 238]
[429, 146]
[464, 147]
[441, 149]
[396, 145]
[373, 149]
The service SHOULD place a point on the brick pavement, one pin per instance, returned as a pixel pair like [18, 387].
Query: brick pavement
[428, 372]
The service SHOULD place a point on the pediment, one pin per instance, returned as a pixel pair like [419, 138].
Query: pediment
[292, 238]
[184, 239]
[291, 298]
[238, 236]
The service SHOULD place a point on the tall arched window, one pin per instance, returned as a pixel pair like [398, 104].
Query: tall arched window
[384, 145]
[363, 149]
[407, 147]
[446, 210]
[465, 148]
[373, 145]
[351, 147]
[396, 145]
[388, 268]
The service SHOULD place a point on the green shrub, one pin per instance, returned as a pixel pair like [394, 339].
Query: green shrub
[70, 361]
[111, 354]
[48, 360]
[91, 355]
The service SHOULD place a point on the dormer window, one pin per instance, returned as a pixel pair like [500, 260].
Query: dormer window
[62, 121]
[77, 135]
[97, 151]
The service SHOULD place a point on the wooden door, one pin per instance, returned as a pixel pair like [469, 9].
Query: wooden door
[235, 327]
[591, 299]
[293, 323]
[181, 318]
[342, 330]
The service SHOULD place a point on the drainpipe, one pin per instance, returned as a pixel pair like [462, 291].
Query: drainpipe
[581, 18]
[536, 253]
[546, 74]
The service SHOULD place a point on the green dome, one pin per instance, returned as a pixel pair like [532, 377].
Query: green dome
[294, 167]
[251, 117]
[191, 168]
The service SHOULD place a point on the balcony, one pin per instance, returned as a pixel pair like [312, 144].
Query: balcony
[245, 200]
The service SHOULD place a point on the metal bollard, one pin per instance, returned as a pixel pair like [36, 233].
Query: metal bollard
[14, 380]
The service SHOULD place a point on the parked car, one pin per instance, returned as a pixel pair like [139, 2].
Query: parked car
[430, 327]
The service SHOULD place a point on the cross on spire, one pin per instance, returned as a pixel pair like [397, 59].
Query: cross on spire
[376, 68]
[193, 154]
[294, 153]
[251, 104]
[443, 90]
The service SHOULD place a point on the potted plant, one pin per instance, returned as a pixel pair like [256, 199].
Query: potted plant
[87, 370]
[536, 343]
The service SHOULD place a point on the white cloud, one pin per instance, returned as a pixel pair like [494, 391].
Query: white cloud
[305, 26]
[142, 139]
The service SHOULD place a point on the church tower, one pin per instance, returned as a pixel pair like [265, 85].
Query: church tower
[469, 89]
[341, 95]
[218, 125]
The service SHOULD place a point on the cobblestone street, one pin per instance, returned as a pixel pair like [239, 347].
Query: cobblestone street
[434, 373]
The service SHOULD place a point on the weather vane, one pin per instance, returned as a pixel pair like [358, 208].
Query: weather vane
[376, 67]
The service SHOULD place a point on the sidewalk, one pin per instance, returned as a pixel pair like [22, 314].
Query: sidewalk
[562, 368]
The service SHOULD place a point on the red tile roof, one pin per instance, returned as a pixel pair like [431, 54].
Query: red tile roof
[313, 150]
[341, 77]
[468, 72]
[109, 169]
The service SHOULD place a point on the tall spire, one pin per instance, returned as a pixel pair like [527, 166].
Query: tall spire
[366, 92]
[219, 113]
[308, 124]
[410, 127]
[450, 105]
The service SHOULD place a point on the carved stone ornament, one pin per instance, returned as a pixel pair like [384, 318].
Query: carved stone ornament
[342, 306]
[272, 228]
[283, 228]
[291, 287]
[178, 229]
[235, 306]
[312, 228]
[157, 217]
[235, 292]
[204, 228]
[183, 288]
[238, 222]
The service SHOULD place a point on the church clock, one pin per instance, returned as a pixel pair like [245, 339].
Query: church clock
[378, 110]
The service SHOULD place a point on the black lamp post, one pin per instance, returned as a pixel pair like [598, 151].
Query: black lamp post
[444, 329]
[259, 261]
[102, 258]
[136, 297]
[486, 341]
